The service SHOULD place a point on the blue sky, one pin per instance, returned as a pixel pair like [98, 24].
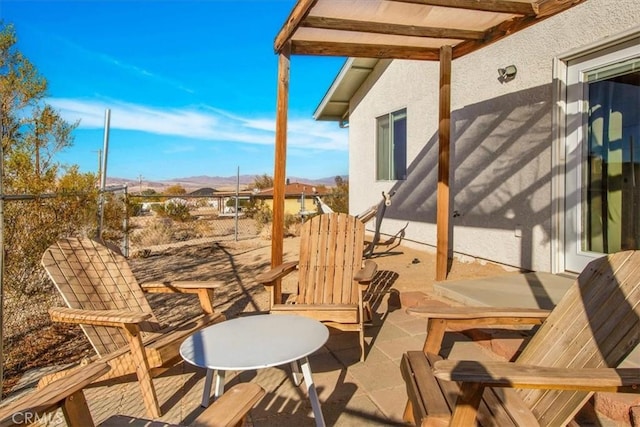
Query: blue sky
[191, 86]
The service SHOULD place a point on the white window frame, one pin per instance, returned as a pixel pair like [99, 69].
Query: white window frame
[390, 173]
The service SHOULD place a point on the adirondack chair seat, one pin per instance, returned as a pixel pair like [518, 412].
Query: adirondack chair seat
[105, 299]
[574, 353]
[230, 410]
[332, 275]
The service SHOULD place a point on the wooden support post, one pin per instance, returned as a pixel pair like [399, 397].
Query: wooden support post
[279, 174]
[444, 155]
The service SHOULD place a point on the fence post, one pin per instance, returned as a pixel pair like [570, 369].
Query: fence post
[103, 171]
[237, 195]
[125, 224]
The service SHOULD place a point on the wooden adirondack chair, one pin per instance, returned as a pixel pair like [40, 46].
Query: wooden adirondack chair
[573, 354]
[104, 297]
[331, 274]
[229, 410]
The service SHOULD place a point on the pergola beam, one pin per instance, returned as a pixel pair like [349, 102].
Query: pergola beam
[546, 8]
[495, 6]
[551, 7]
[494, 34]
[392, 29]
[299, 12]
[303, 47]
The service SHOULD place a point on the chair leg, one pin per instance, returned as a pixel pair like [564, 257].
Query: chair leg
[362, 351]
[368, 313]
[139, 358]
[76, 411]
[408, 413]
[467, 404]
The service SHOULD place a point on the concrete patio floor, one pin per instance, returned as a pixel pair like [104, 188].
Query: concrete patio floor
[352, 393]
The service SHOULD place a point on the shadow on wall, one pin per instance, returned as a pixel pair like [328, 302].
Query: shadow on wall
[500, 170]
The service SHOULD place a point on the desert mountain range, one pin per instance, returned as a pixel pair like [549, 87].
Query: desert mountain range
[224, 183]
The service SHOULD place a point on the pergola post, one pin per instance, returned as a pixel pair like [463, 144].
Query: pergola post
[279, 173]
[444, 156]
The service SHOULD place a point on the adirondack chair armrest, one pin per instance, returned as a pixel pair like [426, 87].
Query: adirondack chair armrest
[115, 318]
[33, 406]
[442, 318]
[515, 375]
[232, 407]
[474, 314]
[204, 290]
[269, 277]
[180, 286]
[366, 274]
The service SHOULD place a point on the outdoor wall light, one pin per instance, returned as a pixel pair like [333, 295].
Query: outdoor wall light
[507, 73]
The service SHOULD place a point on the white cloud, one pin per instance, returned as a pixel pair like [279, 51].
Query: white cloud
[206, 123]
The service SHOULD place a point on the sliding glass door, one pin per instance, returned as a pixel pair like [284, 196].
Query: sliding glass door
[602, 155]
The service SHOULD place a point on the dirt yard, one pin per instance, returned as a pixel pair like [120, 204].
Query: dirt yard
[233, 263]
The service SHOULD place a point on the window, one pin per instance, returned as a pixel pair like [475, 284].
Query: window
[391, 146]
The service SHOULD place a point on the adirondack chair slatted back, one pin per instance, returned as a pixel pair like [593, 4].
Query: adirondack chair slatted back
[596, 324]
[331, 248]
[90, 276]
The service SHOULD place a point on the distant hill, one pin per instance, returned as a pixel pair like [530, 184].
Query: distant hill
[193, 183]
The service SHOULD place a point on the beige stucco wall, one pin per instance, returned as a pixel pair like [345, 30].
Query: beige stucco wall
[501, 137]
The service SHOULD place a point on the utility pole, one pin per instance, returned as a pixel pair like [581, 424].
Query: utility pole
[99, 162]
[140, 182]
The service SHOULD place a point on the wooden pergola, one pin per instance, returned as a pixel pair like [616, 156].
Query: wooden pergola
[431, 30]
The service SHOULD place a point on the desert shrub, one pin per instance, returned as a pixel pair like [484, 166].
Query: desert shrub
[290, 220]
[262, 215]
[31, 226]
[158, 232]
[173, 209]
[134, 208]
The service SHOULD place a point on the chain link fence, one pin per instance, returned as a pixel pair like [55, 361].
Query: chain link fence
[136, 226]
[183, 221]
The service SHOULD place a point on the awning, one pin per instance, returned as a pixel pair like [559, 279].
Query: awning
[435, 30]
[407, 29]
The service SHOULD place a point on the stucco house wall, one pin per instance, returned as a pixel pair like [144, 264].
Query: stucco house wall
[502, 138]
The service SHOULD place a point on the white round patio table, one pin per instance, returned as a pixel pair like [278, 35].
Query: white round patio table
[256, 342]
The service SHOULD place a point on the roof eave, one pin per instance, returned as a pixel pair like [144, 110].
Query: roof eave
[346, 80]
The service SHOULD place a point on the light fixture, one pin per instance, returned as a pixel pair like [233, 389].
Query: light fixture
[507, 73]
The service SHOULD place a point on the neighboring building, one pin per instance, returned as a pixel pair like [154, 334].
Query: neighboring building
[223, 201]
[299, 198]
[204, 192]
[545, 132]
